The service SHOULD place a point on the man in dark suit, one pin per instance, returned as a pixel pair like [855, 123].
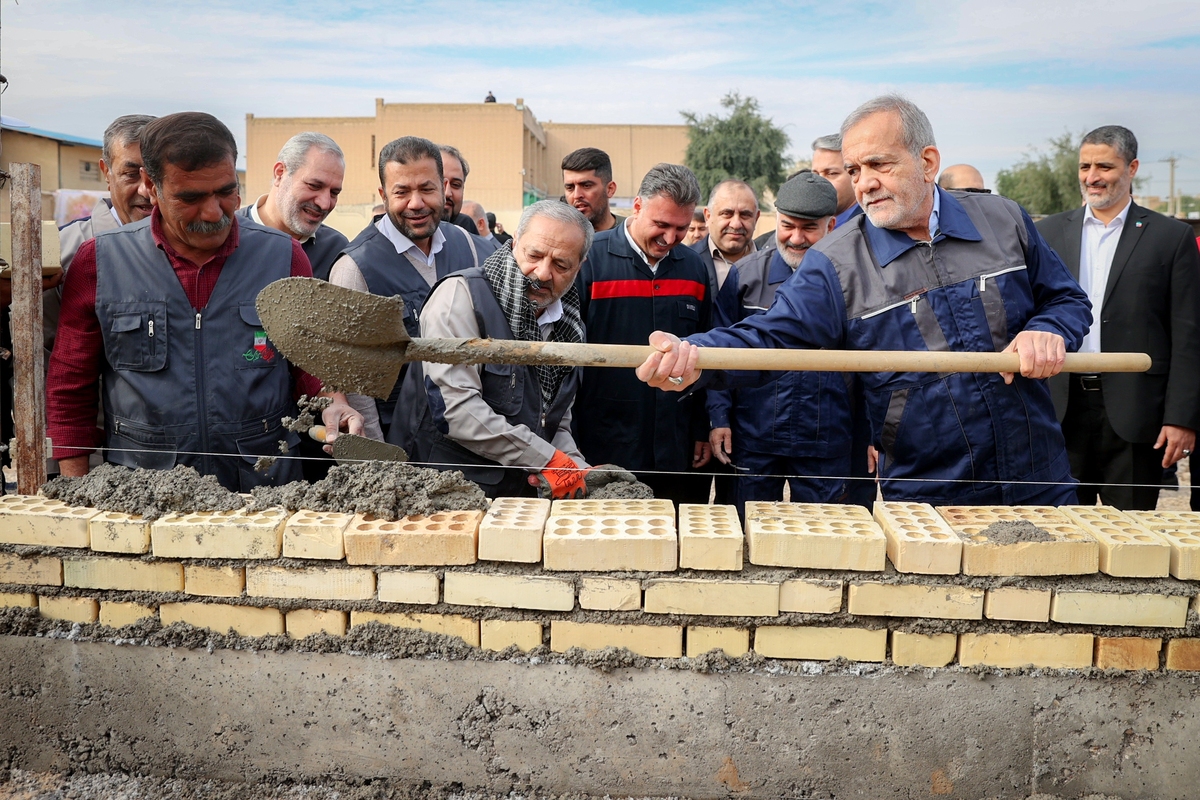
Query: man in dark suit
[1141, 271]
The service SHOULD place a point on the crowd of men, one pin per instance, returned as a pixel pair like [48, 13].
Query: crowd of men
[154, 331]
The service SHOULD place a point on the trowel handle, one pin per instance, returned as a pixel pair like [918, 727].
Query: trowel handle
[317, 433]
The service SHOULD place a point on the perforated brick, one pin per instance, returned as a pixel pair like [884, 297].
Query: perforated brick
[214, 581]
[1128, 549]
[445, 624]
[712, 597]
[415, 588]
[923, 650]
[918, 539]
[652, 641]
[117, 532]
[219, 534]
[125, 574]
[512, 530]
[447, 537]
[117, 614]
[312, 583]
[1012, 650]
[1027, 605]
[710, 537]
[644, 507]
[1101, 608]
[308, 621]
[1127, 652]
[827, 512]
[221, 618]
[509, 591]
[816, 543]
[32, 519]
[1072, 552]
[610, 594]
[701, 639]
[498, 634]
[595, 544]
[810, 597]
[820, 644]
[914, 600]
[1181, 531]
[69, 609]
[316, 535]
[31, 570]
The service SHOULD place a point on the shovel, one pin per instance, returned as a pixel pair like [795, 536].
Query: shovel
[357, 342]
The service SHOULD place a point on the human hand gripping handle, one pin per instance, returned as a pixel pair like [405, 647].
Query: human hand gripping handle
[340, 417]
[1042, 354]
[673, 367]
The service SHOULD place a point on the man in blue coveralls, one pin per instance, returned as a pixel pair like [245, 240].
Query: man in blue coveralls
[927, 269]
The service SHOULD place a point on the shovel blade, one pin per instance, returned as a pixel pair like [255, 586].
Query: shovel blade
[352, 341]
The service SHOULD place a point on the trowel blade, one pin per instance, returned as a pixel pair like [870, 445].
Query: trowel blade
[348, 449]
[352, 341]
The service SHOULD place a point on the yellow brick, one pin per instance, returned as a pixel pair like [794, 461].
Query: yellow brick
[512, 530]
[810, 597]
[311, 583]
[30, 571]
[1026, 605]
[445, 624]
[219, 534]
[509, 591]
[652, 641]
[416, 588]
[315, 534]
[613, 543]
[921, 650]
[656, 507]
[918, 540]
[307, 621]
[820, 644]
[18, 600]
[1127, 652]
[214, 581]
[220, 618]
[117, 532]
[1010, 650]
[498, 634]
[1181, 531]
[816, 543]
[71, 609]
[448, 537]
[32, 519]
[895, 600]
[1128, 549]
[712, 597]
[610, 594]
[1099, 608]
[1072, 552]
[1183, 654]
[118, 615]
[125, 574]
[809, 512]
[710, 537]
[734, 641]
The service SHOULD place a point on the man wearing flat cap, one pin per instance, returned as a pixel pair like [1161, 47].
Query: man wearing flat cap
[793, 423]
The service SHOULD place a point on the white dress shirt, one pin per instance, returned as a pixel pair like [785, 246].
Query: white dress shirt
[1097, 246]
[424, 264]
[636, 249]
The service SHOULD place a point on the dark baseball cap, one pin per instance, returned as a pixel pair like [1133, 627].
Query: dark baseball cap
[806, 196]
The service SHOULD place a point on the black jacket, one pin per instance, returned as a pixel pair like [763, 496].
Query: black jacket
[1151, 305]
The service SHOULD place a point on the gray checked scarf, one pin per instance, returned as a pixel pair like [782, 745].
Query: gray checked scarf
[509, 286]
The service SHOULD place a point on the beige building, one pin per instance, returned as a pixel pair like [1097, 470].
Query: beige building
[514, 159]
[67, 162]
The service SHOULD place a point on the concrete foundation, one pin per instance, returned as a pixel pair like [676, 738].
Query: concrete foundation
[247, 716]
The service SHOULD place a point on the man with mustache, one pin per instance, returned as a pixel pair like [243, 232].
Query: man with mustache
[588, 186]
[164, 310]
[924, 269]
[1141, 271]
[798, 423]
[406, 250]
[306, 182]
[731, 214]
[637, 279]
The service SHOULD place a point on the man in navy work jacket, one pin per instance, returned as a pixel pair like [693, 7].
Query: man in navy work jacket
[924, 269]
[638, 278]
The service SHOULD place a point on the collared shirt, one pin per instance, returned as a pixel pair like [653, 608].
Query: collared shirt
[933, 215]
[1097, 246]
[254, 215]
[113, 210]
[722, 264]
[424, 264]
[550, 315]
[636, 249]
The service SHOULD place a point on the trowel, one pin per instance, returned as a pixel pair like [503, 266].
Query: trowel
[357, 342]
[349, 448]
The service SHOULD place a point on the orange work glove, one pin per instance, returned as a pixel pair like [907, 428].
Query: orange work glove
[560, 479]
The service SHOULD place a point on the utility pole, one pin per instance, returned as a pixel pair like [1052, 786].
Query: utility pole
[1172, 201]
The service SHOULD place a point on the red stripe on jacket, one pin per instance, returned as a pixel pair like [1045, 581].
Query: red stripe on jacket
[612, 290]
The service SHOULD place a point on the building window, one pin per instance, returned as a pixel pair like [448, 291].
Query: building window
[89, 171]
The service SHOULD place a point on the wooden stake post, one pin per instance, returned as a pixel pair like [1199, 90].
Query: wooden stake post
[29, 393]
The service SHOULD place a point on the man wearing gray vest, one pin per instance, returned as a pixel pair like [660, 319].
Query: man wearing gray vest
[499, 423]
[406, 250]
[163, 310]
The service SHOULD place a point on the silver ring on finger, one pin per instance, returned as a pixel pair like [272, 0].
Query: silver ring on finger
[1187, 452]
[676, 381]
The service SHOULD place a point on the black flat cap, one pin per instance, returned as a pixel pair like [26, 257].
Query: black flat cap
[807, 196]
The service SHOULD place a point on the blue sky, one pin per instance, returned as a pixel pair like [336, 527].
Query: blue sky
[996, 77]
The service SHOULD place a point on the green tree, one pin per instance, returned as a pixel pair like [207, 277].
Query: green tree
[1045, 183]
[743, 144]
